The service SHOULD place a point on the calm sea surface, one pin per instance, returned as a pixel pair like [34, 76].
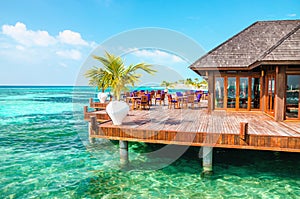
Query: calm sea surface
[44, 153]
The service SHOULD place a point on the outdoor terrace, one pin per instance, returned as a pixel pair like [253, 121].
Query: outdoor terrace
[197, 127]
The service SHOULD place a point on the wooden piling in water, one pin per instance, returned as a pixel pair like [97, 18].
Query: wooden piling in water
[124, 160]
[207, 160]
[93, 129]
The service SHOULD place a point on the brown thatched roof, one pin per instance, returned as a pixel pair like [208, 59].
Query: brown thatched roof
[262, 41]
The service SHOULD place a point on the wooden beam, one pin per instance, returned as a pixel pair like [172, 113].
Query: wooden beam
[211, 91]
[85, 109]
[280, 81]
[209, 103]
[244, 131]
[94, 125]
[91, 102]
[299, 106]
[262, 93]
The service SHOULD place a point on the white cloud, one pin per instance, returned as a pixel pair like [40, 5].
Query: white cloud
[157, 55]
[63, 65]
[292, 15]
[70, 54]
[28, 45]
[26, 37]
[19, 47]
[22, 35]
[70, 37]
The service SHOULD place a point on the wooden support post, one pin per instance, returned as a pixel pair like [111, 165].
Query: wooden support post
[123, 153]
[209, 103]
[263, 96]
[280, 93]
[85, 109]
[85, 112]
[91, 102]
[93, 129]
[211, 91]
[244, 130]
[207, 160]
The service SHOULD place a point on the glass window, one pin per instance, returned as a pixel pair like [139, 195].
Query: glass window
[243, 90]
[292, 96]
[255, 97]
[219, 88]
[231, 92]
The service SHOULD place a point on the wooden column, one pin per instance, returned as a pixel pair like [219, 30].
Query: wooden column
[207, 160]
[91, 102]
[85, 109]
[93, 129]
[263, 88]
[299, 107]
[280, 91]
[211, 91]
[124, 160]
[244, 131]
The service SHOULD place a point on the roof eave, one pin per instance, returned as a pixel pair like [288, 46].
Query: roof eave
[250, 67]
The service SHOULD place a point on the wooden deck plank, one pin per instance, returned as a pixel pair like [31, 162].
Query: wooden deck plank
[197, 127]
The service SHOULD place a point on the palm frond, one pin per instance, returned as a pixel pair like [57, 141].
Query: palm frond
[115, 74]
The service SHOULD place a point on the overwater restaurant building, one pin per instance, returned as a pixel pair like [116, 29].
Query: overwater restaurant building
[256, 70]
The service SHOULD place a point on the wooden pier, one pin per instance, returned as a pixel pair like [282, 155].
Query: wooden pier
[196, 127]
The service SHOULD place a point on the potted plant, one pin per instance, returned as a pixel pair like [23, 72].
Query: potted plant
[117, 76]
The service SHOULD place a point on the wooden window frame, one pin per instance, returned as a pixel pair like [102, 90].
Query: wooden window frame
[268, 76]
[293, 119]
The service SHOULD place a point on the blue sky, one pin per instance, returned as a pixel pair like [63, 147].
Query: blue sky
[46, 42]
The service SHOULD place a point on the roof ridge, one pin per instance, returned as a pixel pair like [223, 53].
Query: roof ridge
[284, 20]
[279, 42]
[209, 52]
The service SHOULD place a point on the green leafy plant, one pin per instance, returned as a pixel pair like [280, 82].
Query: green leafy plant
[115, 74]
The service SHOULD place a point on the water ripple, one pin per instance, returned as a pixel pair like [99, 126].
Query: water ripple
[44, 154]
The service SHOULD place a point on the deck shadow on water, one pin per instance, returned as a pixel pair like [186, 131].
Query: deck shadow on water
[253, 161]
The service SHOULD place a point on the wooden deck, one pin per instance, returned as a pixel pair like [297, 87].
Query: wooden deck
[196, 127]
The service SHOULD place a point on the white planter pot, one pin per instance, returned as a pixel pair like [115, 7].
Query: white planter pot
[102, 97]
[117, 111]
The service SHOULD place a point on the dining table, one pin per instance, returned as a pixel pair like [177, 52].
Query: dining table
[180, 100]
[133, 101]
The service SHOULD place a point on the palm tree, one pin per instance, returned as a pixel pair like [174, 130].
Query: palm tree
[95, 76]
[181, 81]
[115, 74]
[203, 84]
[166, 84]
[189, 81]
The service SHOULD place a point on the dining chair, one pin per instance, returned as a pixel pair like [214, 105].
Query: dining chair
[143, 102]
[198, 99]
[149, 98]
[190, 100]
[160, 98]
[171, 101]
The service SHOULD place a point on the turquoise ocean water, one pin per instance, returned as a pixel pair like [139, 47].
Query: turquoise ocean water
[44, 153]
